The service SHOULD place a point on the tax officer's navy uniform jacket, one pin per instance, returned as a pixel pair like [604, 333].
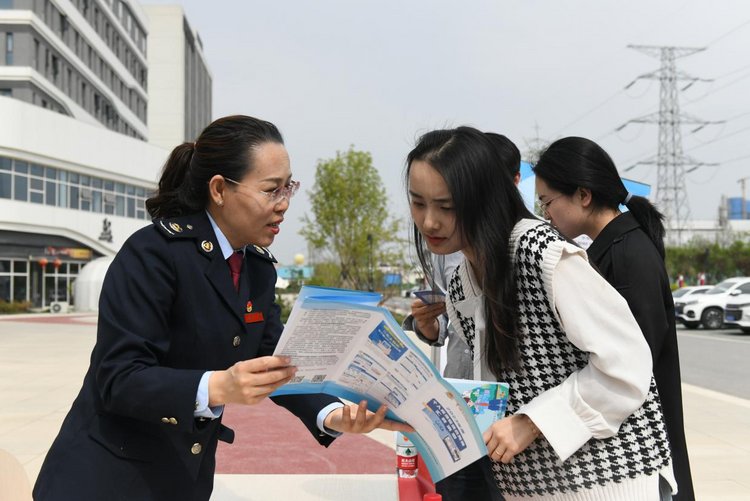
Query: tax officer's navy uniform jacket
[168, 312]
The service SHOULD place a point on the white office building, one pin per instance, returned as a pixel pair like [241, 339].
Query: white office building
[76, 161]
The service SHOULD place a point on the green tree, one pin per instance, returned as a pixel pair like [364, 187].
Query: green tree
[350, 218]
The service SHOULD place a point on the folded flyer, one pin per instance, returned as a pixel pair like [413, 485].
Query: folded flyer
[344, 345]
[487, 400]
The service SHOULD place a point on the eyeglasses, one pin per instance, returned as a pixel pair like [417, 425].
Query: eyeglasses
[544, 205]
[276, 195]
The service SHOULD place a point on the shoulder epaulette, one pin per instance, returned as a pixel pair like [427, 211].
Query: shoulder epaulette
[174, 227]
[257, 250]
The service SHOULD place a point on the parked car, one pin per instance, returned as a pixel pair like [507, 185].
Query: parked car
[708, 309]
[684, 294]
[737, 312]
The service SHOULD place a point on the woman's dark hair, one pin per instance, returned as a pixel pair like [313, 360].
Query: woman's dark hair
[225, 147]
[506, 149]
[574, 162]
[487, 207]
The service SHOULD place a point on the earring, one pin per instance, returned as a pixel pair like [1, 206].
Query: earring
[220, 202]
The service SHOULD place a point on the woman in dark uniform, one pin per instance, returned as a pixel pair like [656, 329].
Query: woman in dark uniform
[187, 324]
[580, 192]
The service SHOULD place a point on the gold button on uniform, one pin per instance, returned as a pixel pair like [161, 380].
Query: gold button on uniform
[165, 420]
[172, 420]
[236, 341]
[196, 449]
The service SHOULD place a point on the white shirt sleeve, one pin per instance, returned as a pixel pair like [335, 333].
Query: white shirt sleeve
[593, 402]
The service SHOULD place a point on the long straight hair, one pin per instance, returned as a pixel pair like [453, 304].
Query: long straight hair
[487, 207]
[576, 162]
[225, 147]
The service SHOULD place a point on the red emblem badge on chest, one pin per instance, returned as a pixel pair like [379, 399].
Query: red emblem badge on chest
[253, 317]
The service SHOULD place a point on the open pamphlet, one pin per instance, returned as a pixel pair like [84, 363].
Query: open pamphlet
[344, 345]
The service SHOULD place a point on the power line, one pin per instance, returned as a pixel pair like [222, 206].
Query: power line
[727, 33]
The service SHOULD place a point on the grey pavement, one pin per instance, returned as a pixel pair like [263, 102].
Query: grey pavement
[42, 367]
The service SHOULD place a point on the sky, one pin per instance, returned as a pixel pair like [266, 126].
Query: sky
[377, 74]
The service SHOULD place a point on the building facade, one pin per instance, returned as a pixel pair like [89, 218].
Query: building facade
[180, 81]
[76, 164]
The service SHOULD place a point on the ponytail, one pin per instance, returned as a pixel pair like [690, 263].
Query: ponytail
[175, 196]
[650, 219]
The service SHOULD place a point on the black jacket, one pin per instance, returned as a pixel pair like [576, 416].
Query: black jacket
[168, 312]
[628, 259]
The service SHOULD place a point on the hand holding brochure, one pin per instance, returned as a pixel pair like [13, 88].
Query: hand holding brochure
[343, 344]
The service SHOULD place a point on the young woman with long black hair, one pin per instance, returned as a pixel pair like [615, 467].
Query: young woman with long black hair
[584, 419]
[580, 192]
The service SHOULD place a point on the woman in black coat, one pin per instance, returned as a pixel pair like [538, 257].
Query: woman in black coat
[580, 193]
[187, 324]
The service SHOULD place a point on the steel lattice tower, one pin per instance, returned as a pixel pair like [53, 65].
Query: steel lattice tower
[671, 194]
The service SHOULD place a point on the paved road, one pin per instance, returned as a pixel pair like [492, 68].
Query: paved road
[717, 360]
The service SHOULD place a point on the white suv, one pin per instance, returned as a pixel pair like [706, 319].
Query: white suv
[708, 309]
[684, 294]
[737, 312]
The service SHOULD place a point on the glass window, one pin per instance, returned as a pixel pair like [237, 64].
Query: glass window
[62, 194]
[19, 288]
[96, 205]
[62, 175]
[4, 163]
[37, 184]
[85, 180]
[20, 266]
[5, 187]
[119, 188]
[9, 49]
[140, 192]
[85, 205]
[5, 288]
[120, 205]
[37, 198]
[109, 185]
[21, 188]
[109, 209]
[74, 195]
[51, 192]
[96, 182]
[21, 167]
[131, 207]
[5, 265]
[50, 173]
[49, 287]
[37, 170]
[130, 189]
[73, 178]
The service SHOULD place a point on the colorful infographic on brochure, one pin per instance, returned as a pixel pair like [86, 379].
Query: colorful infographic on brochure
[343, 344]
[486, 400]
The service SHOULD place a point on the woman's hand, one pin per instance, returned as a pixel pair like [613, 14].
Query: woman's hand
[250, 381]
[357, 419]
[426, 316]
[510, 436]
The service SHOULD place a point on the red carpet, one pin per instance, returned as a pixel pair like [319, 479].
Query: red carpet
[269, 439]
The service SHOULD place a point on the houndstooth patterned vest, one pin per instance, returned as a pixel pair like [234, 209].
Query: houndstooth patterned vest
[641, 446]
